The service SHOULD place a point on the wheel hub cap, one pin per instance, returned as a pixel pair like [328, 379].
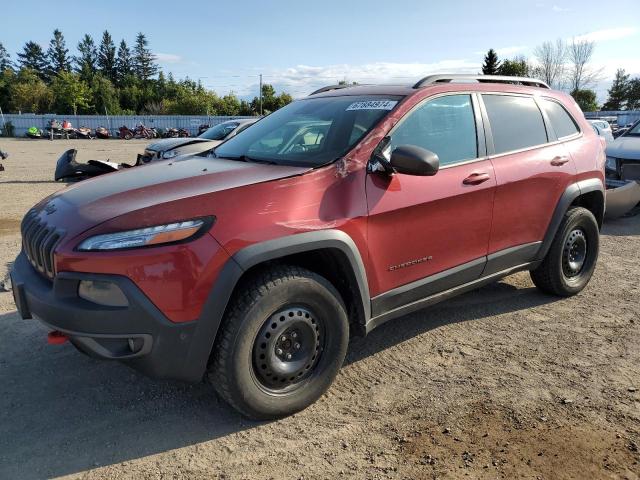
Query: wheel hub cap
[287, 348]
[574, 253]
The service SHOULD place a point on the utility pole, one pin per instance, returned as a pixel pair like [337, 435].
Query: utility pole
[260, 94]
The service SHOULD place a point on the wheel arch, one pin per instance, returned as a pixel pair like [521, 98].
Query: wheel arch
[330, 253]
[587, 193]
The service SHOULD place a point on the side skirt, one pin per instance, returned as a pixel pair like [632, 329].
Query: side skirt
[444, 295]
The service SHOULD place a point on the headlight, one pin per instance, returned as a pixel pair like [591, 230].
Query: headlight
[146, 237]
[169, 154]
[611, 164]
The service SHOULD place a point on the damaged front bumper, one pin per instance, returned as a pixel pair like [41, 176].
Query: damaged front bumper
[623, 188]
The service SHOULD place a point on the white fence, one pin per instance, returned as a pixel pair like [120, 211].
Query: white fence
[191, 123]
[624, 116]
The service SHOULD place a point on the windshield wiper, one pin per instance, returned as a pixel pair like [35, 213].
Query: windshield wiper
[246, 158]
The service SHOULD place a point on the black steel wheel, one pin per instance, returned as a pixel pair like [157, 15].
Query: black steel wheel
[282, 342]
[572, 256]
[287, 349]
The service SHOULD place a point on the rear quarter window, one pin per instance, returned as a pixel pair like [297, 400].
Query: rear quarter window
[562, 123]
[516, 122]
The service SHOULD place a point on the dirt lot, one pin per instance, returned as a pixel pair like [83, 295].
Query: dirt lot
[504, 382]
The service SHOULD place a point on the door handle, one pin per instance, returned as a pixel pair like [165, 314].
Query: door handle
[559, 161]
[476, 178]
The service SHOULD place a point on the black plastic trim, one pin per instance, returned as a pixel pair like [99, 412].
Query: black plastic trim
[507, 258]
[571, 193]
[444, 295]
[213, 311]
[427, 286]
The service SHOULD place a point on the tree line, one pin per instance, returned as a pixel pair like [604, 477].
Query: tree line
[567, 66]
[103, 78]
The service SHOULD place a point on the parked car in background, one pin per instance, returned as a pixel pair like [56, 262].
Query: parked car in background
[172, 147]
[603, 126]
[623, 157]
[602, 131]
[331, 216]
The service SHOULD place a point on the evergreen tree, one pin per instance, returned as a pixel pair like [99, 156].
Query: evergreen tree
[618, 92]
[144, 64]
[87, 60]
[633, 95]
[491, 65]
[107, 57]
[5, 59]
[58, 54]
[124, 62]
[33, 58]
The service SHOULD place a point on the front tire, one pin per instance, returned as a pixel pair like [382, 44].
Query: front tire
[572, 257]
[282, 342]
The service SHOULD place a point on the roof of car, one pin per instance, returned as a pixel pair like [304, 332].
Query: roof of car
[352, 90]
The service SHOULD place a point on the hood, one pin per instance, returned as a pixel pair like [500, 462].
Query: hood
[625, 147]
[171, 143]
[94, 201]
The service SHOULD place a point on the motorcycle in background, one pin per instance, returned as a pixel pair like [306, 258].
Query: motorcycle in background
[126, 133]
[103, 133]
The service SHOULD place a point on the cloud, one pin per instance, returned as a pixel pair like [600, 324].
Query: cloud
[303, 79]
[168, 58]
[607, 34]
[557, 8]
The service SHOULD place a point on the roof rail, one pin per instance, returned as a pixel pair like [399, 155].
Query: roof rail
[431, 79]
[329, 88]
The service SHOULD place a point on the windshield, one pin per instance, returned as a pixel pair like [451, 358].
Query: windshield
[220, 131]
[635, 130]
[310, 132]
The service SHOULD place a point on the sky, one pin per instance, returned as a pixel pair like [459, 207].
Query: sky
[298, 46]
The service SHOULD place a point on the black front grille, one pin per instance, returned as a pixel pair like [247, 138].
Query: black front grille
[630, 170]
[38, 242]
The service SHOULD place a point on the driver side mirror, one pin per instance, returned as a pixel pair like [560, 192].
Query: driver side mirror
[414, 160]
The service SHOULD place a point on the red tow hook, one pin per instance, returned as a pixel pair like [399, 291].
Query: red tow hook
[56, 338]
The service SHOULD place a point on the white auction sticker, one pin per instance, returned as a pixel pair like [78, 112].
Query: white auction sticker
[373, 105]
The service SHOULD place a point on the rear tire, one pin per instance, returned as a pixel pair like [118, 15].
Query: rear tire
[282, 342]
[572, 257]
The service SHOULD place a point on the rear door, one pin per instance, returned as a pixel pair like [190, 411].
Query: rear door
[436, 227]
[532, 171]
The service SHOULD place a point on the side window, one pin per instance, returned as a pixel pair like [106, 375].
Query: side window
[516, 122]
[445, 125]
[561, 121]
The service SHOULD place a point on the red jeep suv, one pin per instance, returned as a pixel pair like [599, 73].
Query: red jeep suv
[252, 264]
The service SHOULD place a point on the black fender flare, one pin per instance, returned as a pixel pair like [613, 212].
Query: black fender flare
[572, 192]
[213, 310]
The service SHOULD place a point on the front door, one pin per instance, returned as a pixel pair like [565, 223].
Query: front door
[427, 234]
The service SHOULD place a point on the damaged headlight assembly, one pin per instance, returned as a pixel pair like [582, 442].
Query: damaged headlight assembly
[149, 236]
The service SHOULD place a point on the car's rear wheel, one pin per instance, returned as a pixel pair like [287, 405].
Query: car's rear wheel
[572, 257]
[282, 342]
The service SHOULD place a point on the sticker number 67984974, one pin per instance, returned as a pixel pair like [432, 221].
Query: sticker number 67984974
[373, 105]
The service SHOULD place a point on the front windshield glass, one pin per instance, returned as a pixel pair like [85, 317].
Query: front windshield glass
[220, 131]
[635, 130]
[310, 132]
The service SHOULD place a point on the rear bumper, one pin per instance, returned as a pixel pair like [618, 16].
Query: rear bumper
[162, 349]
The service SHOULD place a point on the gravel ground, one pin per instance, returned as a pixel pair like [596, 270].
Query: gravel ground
[504, 382]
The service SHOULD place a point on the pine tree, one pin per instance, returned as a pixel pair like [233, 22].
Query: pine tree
[124, 63]
[33, 57]
[491, 65]
[58, 54]
[143, 60]
[618, 92]
[5, 59]
[88, 58]
[107, 57]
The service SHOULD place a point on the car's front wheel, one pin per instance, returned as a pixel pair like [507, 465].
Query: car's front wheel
[281, 344]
